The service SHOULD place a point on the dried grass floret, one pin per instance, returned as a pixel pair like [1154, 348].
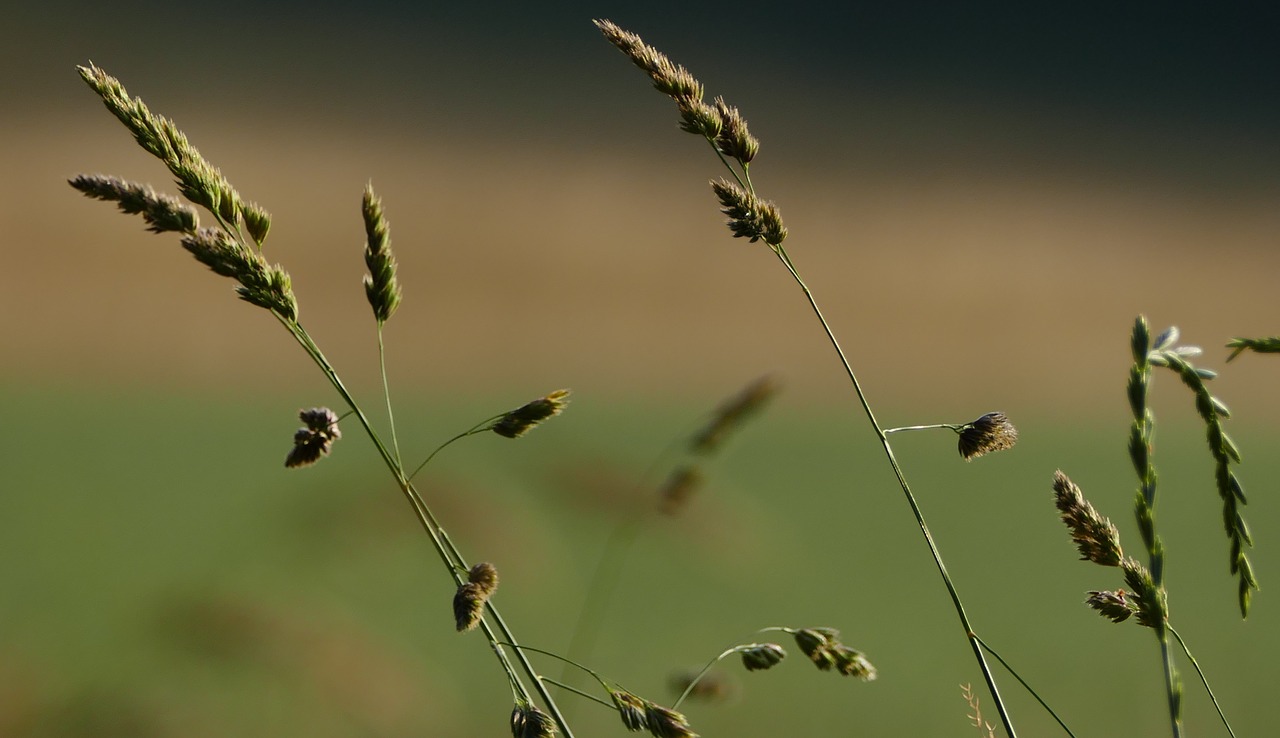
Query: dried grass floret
[991, 432]
[315, 439]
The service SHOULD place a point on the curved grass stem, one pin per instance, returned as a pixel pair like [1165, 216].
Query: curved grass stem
[1203, 679]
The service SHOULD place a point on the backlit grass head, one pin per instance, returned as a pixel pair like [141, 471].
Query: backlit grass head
[528, 416]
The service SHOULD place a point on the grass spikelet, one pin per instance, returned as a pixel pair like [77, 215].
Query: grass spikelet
[664, 722]
[826, 651]
[991, 432]
[485, 576]
[749, 217]
[380, 284]
[315, 439]
[668, 78]
[1094, 535]
[734, 140]
[198, 180]
[468, 606]
[760, 656]
[1151, 606]
[262, 284]
[256, 221]
[527, 721]
[1114, 606]
[526, 417]
[162, 213]
[631, 709]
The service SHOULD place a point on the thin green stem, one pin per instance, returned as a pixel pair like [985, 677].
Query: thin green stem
[386, 393]
[698, 677]
[1170, 681]
[469, 432]
[888, 431]
[1203, 679]
[449, 554]
[1023, 682]
[579, 692]
[906, 490]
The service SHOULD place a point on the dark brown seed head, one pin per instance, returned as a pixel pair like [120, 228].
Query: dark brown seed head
[991, 432]
[485, 576]
[315, 439]
[468, 606]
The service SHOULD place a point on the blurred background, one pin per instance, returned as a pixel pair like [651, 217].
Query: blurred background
[982, 199]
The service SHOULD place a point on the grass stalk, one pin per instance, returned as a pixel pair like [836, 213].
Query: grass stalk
[386, 393]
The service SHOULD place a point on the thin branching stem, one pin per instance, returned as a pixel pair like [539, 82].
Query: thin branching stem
[478, 428]
[386, 393]
[1203, 680]
[911, 500]
[449, 555]
[888, 431]
[579, 692]
[1026, 686]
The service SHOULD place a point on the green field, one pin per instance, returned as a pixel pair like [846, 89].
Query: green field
[163, 574]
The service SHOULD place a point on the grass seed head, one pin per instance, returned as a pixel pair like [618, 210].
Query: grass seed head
[485, 576]
[1094, 535]
[380, 284]
[991, 432]
[198, 180]
[468, 606]
[315, 439]
[162, 213]
[749, 216]
[667, 723]
[1151, 605]
[759, 656]
[524, 418]
[670, 79]
[630, 708]
[527, 721]
[734, 140]
[1114, 606]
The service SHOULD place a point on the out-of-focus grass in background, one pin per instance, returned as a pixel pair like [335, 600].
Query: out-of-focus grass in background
[983, 203]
